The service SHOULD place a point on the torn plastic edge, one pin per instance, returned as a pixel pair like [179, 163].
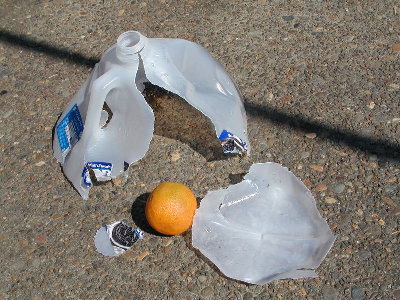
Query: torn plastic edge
[70, 129]
[101, 170]
[116, 238]
[232, 143]
[298, 273]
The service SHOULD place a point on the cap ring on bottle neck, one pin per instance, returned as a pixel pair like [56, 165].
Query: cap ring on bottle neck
[129, 44]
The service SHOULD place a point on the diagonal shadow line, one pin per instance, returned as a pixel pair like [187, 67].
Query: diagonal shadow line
[37, 46]
[379, 147]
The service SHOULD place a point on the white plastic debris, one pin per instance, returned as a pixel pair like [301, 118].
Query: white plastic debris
[108, 125]
[265, 228]
[116, 238]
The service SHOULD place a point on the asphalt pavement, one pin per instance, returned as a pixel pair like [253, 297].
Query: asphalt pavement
[321, 86]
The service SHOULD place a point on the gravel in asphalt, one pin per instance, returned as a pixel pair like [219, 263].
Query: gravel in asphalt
[320, 81]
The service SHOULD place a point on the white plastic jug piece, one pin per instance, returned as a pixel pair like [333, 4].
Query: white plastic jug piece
[265, 228]
[108, 125]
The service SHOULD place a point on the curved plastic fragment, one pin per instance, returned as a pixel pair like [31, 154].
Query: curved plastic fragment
[188, 70]
[108, 125]
[265, 228]
[116, 238]
[90, 148]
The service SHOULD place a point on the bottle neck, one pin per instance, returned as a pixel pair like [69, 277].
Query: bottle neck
[129, 44]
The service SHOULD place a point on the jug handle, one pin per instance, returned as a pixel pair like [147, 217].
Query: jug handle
[100, 89]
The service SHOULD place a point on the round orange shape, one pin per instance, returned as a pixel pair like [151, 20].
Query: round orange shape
[170, 208]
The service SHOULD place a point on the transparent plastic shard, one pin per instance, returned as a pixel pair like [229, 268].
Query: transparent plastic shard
[116, 238]
[108, 125]
[188, 70]
[265, 228]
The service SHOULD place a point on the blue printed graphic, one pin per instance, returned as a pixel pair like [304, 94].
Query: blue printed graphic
[69, 130]
[102, 170]
[86, 177]
[231, 143]
[224, 135]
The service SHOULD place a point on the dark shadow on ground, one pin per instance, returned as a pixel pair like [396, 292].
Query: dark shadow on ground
[371, 145]
[139, 216]
[178, 120]
[43, 47]
[236, 178]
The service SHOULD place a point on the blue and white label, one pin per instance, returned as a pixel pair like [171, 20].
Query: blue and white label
[102, 171]
[232, 143]
[69, 130]
[86, 180]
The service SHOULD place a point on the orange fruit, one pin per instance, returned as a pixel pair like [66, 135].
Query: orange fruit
[170, 208]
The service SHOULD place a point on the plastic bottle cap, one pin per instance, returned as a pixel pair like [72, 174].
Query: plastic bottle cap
[129, 44]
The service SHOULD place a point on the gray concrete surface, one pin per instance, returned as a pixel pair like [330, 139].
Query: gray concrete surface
[321, 85]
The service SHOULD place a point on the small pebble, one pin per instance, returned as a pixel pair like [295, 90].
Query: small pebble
[311, 135]
[117, 181]
[248, 296]
[175, 156]
[4, 236]
[303, 292]
[320, 187]
[304, 155]
[394, 86]
[307, 183]
[41, 239]
[373, 157]
[357, 293]
[40, 163]
[207, 292]
[364, 254]
[330, 200]
[7, 114]
[389, 201]
[142, 255]
[167, 242]
[373, 164]
[396, 48]
[287, 18]
[339, 188]
[329, 293]
[391, 189]
[317, 168]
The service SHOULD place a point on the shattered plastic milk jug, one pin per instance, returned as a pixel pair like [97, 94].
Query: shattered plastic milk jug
[265, 228]
[108, 125]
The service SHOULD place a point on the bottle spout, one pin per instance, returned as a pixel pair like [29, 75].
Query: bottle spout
[129, 44]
